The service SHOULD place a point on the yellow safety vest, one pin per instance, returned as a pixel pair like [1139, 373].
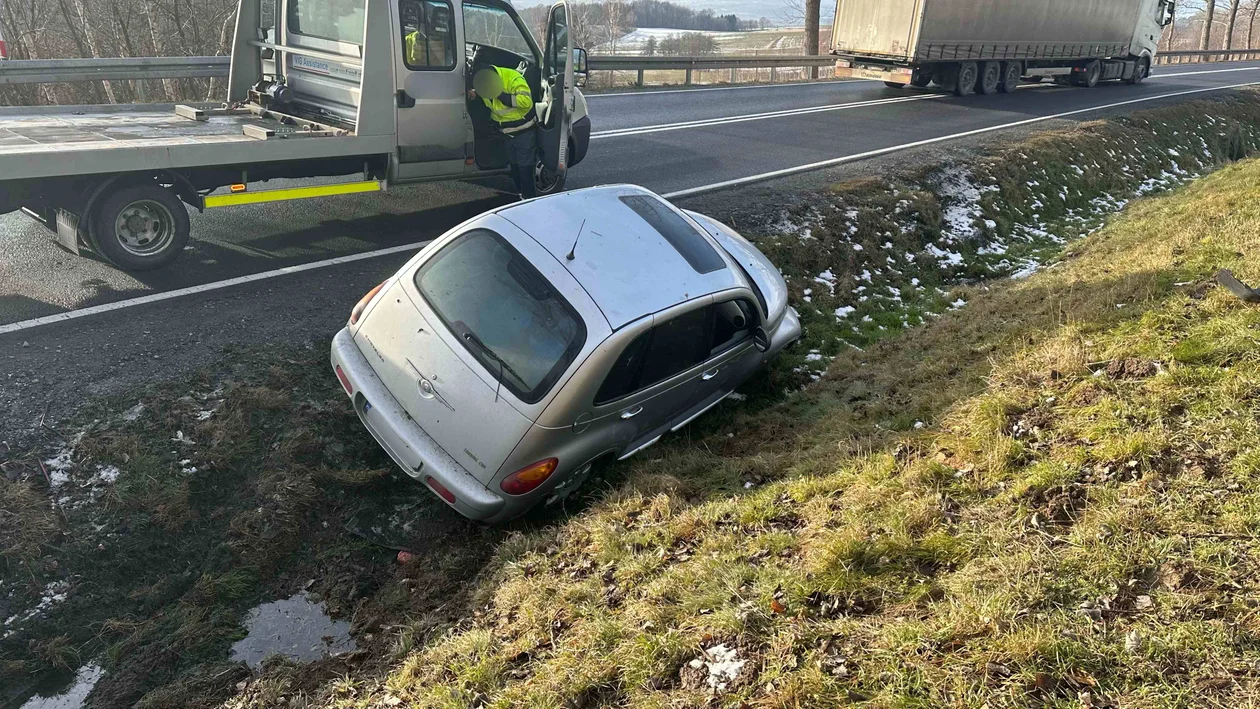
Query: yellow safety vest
[519, 115]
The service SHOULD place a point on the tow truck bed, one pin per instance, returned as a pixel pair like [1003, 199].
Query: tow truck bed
[57, 144]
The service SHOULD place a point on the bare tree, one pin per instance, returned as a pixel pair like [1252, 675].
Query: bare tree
[1209, 14]
[1251, 24]
[812, 9]
[616, 22]
[1229, 25]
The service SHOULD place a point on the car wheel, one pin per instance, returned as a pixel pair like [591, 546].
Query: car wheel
[140, 227]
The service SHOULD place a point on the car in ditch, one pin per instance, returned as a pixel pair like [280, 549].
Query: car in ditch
[523, 348]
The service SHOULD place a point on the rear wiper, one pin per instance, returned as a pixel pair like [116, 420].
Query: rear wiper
[503, 366]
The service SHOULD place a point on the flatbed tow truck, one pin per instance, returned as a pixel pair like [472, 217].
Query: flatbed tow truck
[372, 92]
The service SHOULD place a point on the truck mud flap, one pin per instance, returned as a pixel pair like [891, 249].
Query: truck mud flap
[581, 139]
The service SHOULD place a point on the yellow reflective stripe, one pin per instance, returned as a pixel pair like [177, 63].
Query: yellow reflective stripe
[235, 200]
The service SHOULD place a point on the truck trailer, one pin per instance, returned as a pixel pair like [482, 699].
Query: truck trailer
[369, 93]
[990, 46]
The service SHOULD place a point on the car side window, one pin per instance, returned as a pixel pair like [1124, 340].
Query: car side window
[677, 345]
[733, 323]
[427, 34]
[623, 378]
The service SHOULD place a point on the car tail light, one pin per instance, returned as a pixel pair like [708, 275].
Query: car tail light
[440, 489]
[526, 479]
[363, 303]
[345, 381]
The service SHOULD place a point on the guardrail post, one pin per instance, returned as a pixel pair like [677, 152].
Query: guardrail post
[639, 81]
[689, 77]
[773, 75]
[732, 75]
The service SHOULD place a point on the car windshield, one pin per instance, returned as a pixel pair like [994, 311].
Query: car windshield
[504, 311]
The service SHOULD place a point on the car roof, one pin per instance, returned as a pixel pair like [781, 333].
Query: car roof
[625, 263]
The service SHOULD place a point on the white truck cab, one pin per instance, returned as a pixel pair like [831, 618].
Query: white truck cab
[374, 91]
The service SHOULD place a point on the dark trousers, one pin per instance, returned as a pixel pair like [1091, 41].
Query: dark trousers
[523, 155]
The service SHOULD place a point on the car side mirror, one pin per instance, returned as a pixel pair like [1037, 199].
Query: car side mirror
[761, 339]
[579, 66]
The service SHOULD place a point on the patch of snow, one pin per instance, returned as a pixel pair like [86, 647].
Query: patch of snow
[845, 311]
[133, 413]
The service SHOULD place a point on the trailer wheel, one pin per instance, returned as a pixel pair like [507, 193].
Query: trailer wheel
[1141, 71]
[920, 79]
[1089, 78]
[967, 76]
[990, 78]
[1011, 73]
[140, 227]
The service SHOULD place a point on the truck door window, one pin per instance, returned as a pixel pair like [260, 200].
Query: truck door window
[427, 34]
[494, 27]
[336, 20]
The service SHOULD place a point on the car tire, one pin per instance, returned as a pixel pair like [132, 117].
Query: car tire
[139, 227]
[989, 78]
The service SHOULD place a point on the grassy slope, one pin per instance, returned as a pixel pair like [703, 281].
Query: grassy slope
[1077, 518]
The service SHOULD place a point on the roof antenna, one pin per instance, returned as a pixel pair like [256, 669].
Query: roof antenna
[570, 255]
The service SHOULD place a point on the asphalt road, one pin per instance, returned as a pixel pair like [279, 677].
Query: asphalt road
[668, 141]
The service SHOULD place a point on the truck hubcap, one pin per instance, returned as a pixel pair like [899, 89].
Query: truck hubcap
[144, 227]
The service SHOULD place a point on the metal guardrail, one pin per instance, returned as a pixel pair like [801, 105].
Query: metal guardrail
[1214, 55]
[689, 64]
[50, 71]
[44, 71]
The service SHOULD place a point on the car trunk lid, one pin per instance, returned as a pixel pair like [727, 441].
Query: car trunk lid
[465, 415]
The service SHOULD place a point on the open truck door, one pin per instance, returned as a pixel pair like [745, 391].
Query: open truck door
[557, 118]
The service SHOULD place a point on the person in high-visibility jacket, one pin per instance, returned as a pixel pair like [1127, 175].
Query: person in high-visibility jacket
[506, 93]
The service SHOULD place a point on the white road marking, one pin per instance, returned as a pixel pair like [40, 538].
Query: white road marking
[701, 123]
[1162, 75]
[205, 288]
[918, 144]
[289, 270]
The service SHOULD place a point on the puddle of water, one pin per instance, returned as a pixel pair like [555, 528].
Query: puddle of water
[296, 627]
[69, 692]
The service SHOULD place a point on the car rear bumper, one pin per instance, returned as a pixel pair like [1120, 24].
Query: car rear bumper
[403, 439]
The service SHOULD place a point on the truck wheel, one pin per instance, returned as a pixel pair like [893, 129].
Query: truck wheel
[1011, 73]
[546, 181]
[921, 79]
[990, 78]
[894, 85]
[967, 75]
[140, 227]
[1088, 78]
[1141, 71]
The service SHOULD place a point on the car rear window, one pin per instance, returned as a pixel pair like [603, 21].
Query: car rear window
[691, 244]
[488, 294]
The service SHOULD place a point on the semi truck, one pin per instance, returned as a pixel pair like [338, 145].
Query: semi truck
[343, 96]
[991, 46]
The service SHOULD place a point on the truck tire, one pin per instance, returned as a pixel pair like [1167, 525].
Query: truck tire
[139, 227]
[990, 78]
[920, 79]
[546, 181]
[1141, 71]
[1011, 76]
[965, 83]
[1088, 78]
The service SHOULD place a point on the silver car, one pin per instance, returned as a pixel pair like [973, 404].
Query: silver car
[525, 346]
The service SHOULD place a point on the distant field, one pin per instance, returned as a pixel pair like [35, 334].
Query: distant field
[778, 40]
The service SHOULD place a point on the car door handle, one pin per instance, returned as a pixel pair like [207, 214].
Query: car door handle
[631, 413]
[710, 374]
